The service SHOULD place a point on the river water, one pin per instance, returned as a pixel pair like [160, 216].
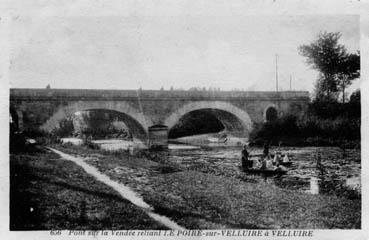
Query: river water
[338, 174]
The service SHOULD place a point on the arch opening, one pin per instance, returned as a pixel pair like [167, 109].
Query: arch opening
[197, 122]
[271, 114]
[13, 120]
[226, 117]
[105, 123]
[124, 113]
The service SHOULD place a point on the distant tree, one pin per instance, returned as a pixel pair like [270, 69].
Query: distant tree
[337, 67]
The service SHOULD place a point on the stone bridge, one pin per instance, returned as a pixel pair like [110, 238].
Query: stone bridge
[150, 114]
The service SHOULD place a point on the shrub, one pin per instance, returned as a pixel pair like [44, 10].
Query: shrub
[312, 130]
[87, 141]
[65, 129]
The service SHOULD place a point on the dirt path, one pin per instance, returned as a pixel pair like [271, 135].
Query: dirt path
[123, 190]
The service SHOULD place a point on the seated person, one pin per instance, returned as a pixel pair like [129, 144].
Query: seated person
[276, 160]
[263, 164]
[269, 164]
[258, 163]
[245, 158]
[286, 159]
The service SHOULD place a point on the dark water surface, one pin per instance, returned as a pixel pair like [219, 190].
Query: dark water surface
[340, 174]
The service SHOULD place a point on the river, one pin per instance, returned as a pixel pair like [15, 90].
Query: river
[340, 173]
[302, 175]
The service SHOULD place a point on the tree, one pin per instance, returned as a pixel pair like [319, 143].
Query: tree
[348, 71]
[337, 67]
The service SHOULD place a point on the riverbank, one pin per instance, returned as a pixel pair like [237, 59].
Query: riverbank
[48, 192]
[198, 199]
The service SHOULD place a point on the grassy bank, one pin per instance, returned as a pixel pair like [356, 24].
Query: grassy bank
[197, 199]
[47, 192]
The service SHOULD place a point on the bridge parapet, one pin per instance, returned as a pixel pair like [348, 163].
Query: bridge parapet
[92, 94]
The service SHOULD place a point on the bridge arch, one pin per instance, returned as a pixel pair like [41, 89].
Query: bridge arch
[133, 118]
[16, 119]
[270, 113]
[224, 111]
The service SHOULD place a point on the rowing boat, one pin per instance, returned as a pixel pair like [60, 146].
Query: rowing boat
[265, 171]
[286, 164]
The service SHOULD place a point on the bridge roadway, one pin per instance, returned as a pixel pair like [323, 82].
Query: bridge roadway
[150, 114]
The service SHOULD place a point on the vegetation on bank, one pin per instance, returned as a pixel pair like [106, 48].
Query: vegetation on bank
[47, 192]
[324, 124]
[199, 198]
[330, 119]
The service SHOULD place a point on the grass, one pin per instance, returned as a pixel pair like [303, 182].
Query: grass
[47, 192]
[203, 200]
[236, 204]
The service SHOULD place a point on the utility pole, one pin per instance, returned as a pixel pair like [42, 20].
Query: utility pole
[276, 72]
[290, 82]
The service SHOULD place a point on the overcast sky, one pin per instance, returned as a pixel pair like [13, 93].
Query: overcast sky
[182, 51]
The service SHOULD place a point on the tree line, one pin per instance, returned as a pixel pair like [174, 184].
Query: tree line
[332, 118]
[337, 67]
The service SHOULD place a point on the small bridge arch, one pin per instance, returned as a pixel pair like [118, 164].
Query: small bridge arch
[16, 117]
[270, 113]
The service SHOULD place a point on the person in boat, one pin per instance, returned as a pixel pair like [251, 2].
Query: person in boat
[269, 164]
[276, 159]
[266, 150]
[263, 163]
[245, 159]
[286, 159]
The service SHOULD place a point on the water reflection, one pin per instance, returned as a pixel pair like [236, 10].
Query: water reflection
[335, 174]
[314, 185]
[303, 174]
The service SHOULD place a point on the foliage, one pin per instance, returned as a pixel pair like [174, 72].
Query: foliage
[336, 66]
[332, 110]
[102, 124]
[65, 129]
[285, 126]
[324, 124]
[87, 141]
[348, 71]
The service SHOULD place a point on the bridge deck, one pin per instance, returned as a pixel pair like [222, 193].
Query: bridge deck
[95, 94]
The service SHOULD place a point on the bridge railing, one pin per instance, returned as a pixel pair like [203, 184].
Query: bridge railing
[24, 93]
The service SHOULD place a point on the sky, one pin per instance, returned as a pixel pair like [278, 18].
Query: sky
[226, 52]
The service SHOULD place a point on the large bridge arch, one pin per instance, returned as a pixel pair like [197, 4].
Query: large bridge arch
[134, 119]
[220, 106]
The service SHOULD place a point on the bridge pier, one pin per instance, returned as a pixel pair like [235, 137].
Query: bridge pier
[158, 137]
